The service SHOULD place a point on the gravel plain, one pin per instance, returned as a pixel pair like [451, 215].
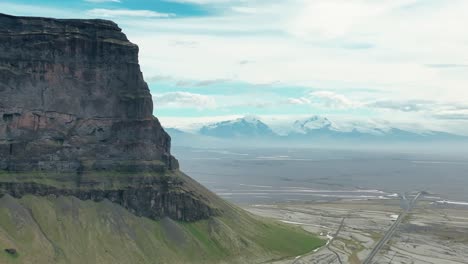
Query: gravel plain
[431, 233]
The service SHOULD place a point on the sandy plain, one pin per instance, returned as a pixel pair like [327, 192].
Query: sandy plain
[431, 233]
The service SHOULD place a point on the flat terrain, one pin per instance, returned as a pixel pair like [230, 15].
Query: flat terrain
[429, 234]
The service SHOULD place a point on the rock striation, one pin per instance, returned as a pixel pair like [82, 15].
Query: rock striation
[72, 97]
[76, 111]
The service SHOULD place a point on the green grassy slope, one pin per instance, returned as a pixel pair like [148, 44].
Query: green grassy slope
[68, 230]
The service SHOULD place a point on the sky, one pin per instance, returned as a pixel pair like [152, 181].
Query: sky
[398, 61]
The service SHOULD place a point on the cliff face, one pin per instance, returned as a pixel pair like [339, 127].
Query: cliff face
[76, 119]
[72, 97]
[81, 157]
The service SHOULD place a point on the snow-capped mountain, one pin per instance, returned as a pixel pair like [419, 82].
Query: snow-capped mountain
[322, 128]
[313, 123]
[313, 130]
[241, 127]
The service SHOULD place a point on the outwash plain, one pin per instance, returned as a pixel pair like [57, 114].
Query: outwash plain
[431, 233]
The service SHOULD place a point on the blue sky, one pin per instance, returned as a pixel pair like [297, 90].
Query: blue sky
[399, 61]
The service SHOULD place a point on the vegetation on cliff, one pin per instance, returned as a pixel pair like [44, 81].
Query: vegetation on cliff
[68, 230]
[86, 172]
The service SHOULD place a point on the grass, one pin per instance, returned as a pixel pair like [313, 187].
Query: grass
[68, 230]
[286, 240]
[199, 231]
[269, 239]
[102, 179]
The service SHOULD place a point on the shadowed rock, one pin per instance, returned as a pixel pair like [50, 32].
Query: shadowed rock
[76, 119]
[72, 97]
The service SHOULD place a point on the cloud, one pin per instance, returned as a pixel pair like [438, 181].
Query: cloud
[298, 101]
[325, 99]
[332, 100]
[245, 10]
[202, 2]
[211, 82]
[452, 112]
[157, 78]
[357, 46]
[331, 45]
[405, 106]
[245, 62]
[183, 100]
[192, 83]
[109, 13]
[191, 44]
[184, 83]
[452, 116]
[102, 1]
[36, 10]
[316, 44]
[443, 66]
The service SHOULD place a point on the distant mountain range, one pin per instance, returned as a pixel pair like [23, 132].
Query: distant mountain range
[323, 128]
[241, 127]
[315, 130]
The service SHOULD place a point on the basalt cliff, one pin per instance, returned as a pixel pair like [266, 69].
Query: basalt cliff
[76, 118]
[86, 172]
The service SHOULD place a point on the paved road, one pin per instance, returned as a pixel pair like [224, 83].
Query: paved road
[333, 238]
[391, 231]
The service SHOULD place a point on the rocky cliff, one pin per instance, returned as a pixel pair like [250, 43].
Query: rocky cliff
[76, 119]
[72, 97]
[86, 173]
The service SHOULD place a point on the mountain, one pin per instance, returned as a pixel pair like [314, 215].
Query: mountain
[311, 131]
[321, 128]
[86, 170]
[182, 138]
[247, 127]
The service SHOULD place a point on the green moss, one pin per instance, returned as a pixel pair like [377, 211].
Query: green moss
[103, 179]
[212, 247]
[13, 256]
[68, 230]
[286, 240]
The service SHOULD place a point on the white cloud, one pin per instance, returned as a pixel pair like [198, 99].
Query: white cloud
[332, 100]
[202, 2]
[405, 106]
[245, 10]
[298, 101]
[406, 50]
[326, 99]
[109, 13]
[183, 100]
[102, 1]
[35, 10]
[369, 44]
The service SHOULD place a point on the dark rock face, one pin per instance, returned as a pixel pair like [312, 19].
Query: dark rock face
[73, 102]
[72, 96]
[155, 201]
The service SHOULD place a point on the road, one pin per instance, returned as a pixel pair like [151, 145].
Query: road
[328, 244]
[391, 231]
[333, 238]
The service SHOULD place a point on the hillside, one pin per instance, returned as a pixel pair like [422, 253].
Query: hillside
[86, 171]
[65, 229]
